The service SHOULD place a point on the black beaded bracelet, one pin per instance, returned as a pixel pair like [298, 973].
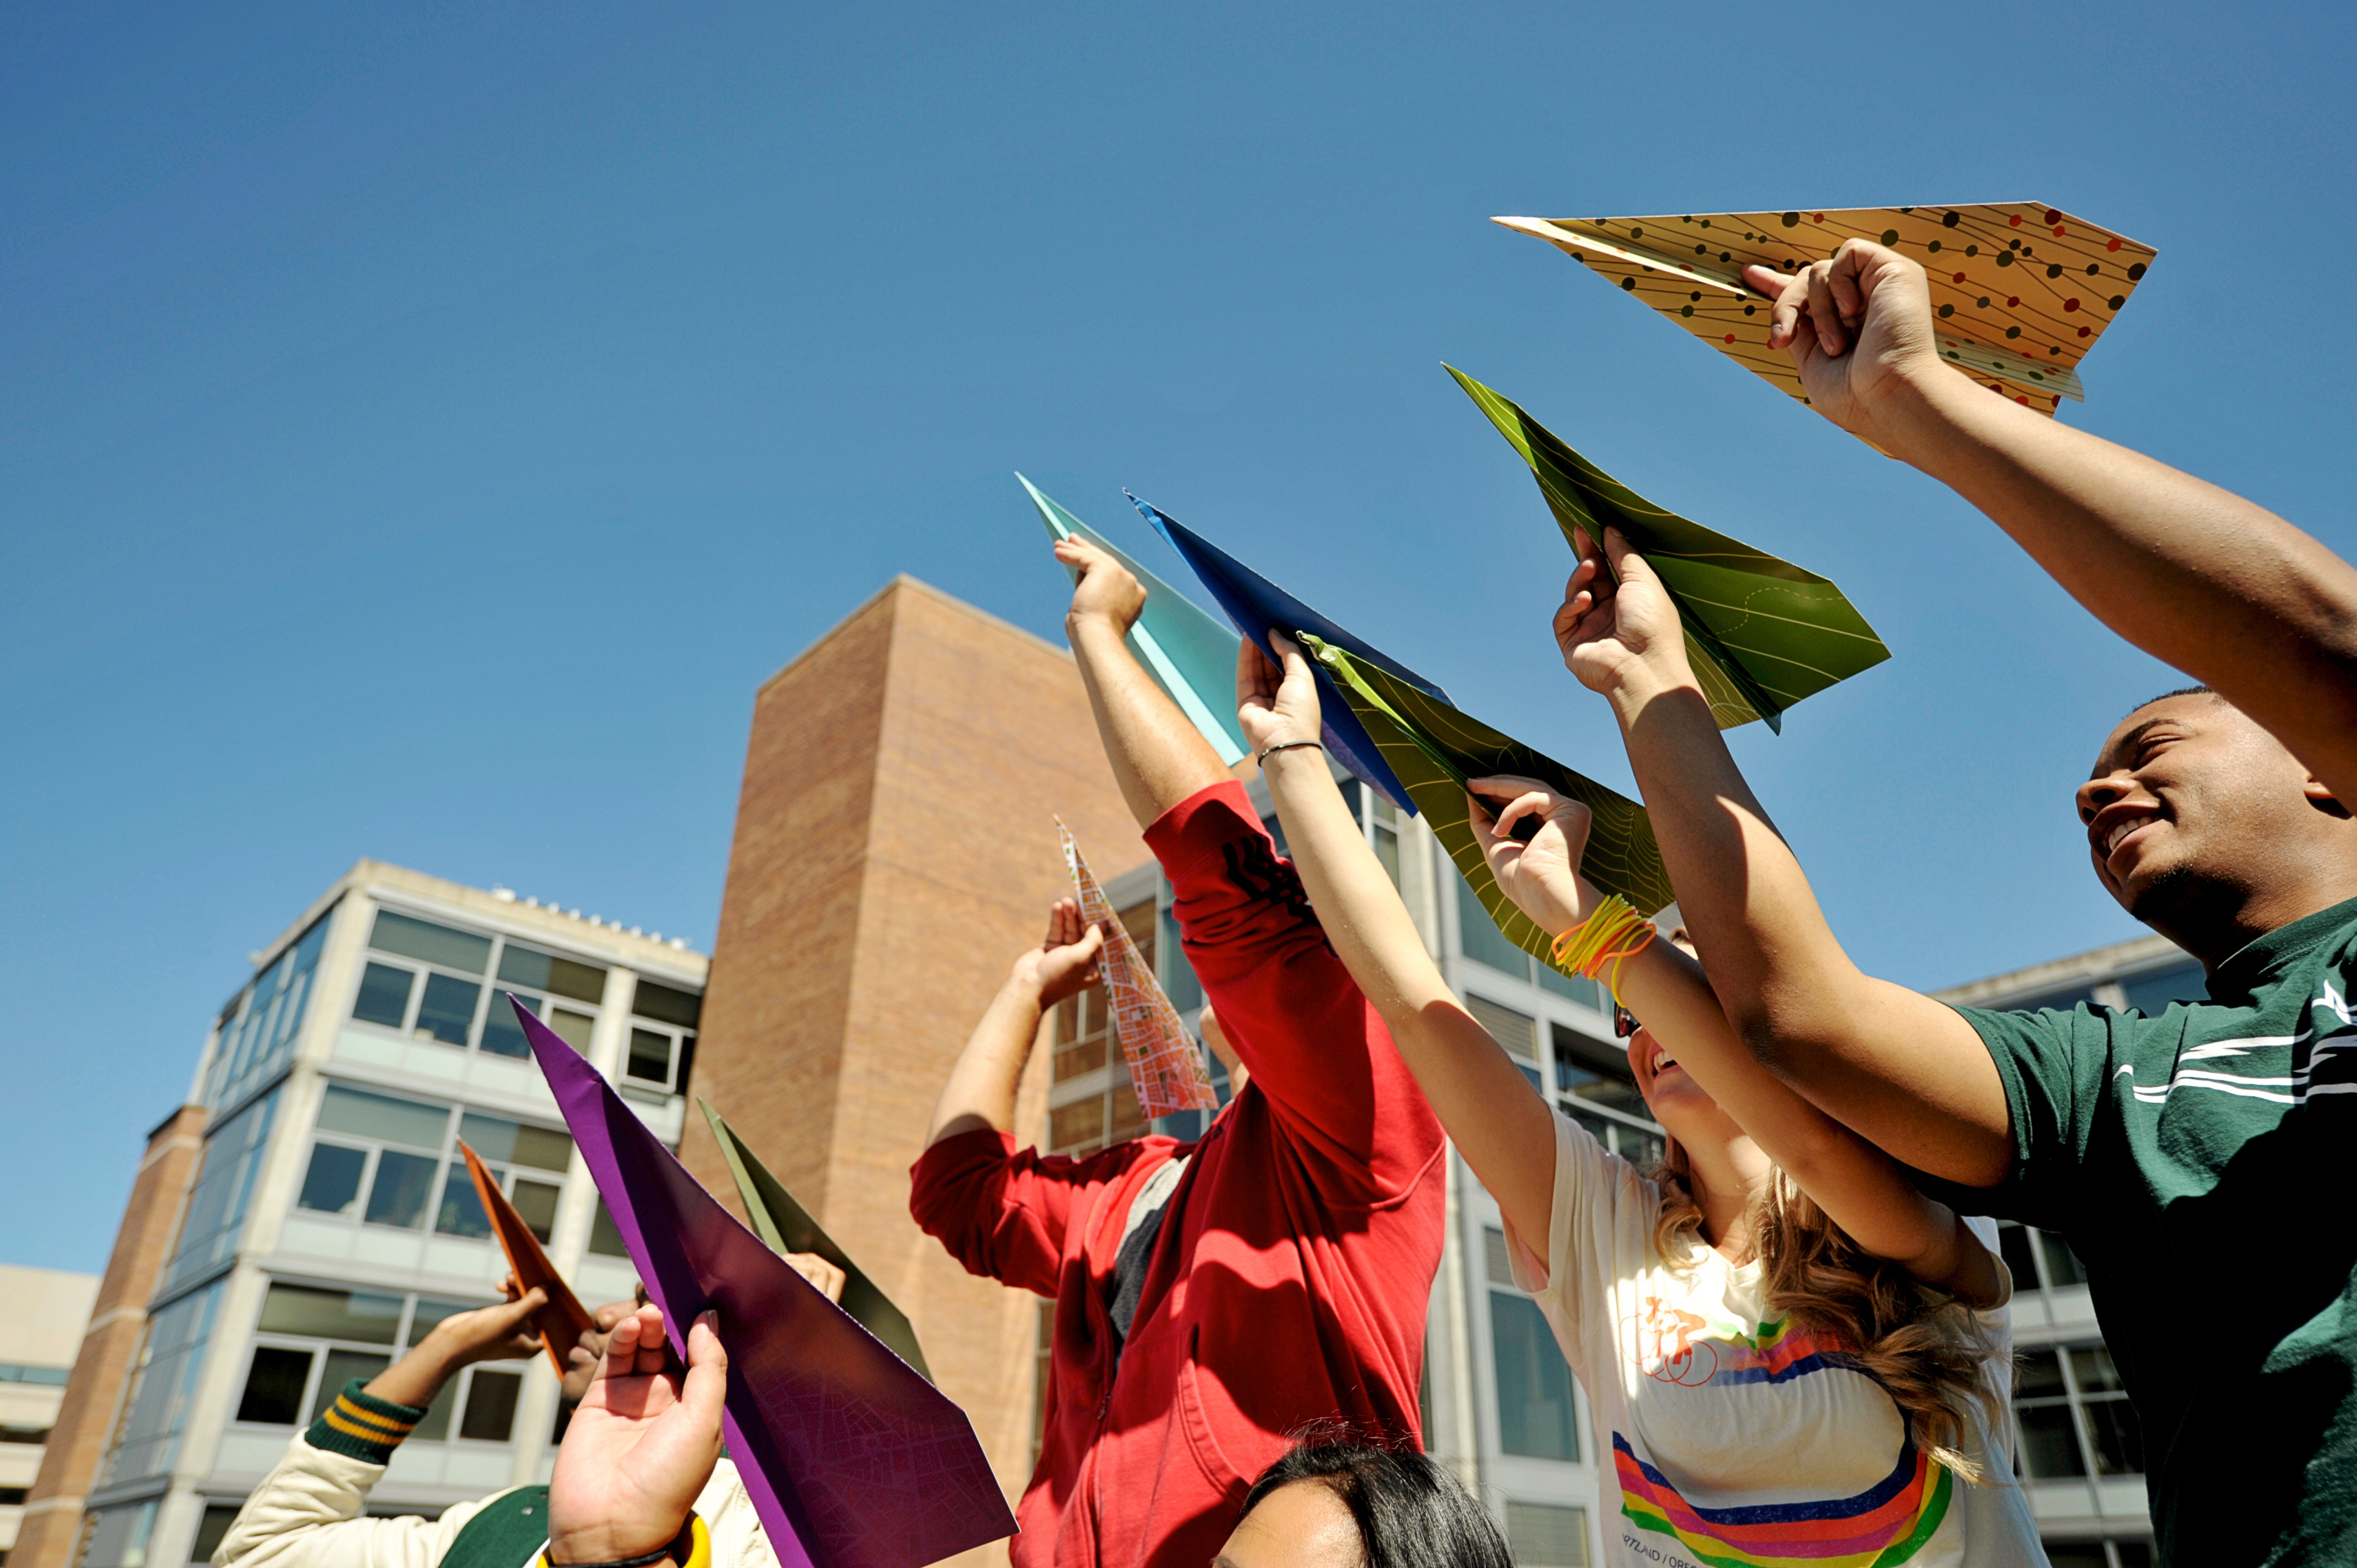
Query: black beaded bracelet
[1262, 760]
[679, 1549]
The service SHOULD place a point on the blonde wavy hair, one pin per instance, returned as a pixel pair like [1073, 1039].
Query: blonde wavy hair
[1926, 1351]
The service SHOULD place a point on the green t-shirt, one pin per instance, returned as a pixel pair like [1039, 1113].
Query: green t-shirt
[2199, 1163]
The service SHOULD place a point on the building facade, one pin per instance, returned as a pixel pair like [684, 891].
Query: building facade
[43, 1313]
[327, 1221]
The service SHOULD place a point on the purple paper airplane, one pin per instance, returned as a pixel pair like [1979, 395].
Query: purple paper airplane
[852, 1459]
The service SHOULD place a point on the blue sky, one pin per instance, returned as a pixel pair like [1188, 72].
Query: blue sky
[421, 429]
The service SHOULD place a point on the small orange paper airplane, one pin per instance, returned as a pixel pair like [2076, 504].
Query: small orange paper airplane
[2020, 291]
[564, 1320]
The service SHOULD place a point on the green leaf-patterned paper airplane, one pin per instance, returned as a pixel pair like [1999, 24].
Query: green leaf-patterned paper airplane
[1435, 749]
[1761, 633]
[785, 1226]
[1187, 651]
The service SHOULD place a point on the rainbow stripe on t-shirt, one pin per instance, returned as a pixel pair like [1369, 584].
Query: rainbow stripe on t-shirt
[1777, 1352]
[1880, 1528]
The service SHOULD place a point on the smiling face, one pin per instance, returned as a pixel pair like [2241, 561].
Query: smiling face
[1682, 1107]
[2204, 827]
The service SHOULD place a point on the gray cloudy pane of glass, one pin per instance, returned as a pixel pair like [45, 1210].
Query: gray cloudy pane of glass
[332, 1183]
[398, 1196]
[2150, 995]
[503, 1036]
[461, 1213]
[367, 1317]
[430, 1312]
[342, 1367]
[383, 1116]
[412, 938]
[384, 995]
[650, 1056]
[447, 1013]
[546, 971]
[667, 1005]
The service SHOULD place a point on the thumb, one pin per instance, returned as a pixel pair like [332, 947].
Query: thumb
[1627, 564]
[705, 1391]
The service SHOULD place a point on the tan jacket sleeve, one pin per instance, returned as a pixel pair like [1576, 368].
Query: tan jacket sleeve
[306, 1513]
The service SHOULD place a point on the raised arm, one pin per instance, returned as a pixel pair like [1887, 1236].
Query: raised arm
[1909, 1074]
[1501, 1125]
[1159, 757]
[980, 1093]
[1860, 1187]
[2193, 574]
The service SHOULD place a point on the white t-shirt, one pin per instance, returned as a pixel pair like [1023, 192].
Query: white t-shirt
[1730, 1441]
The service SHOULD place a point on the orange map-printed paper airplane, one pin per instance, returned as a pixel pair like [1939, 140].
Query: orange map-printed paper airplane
[2020, 291]
[564, 1320]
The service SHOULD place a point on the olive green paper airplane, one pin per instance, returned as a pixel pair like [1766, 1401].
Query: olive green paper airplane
[2021, 291]
[785, 1226]
[1436, 749]
[1761, 633]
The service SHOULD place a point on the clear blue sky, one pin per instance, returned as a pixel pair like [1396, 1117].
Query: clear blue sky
[421, 429]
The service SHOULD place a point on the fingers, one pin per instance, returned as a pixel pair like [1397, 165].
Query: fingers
[1063, 924]
[613, 1312]
[1849, 264]
[636, 1349]
[1476, 817]
[1825, 312]
[1074, 550]
[1533, 806]
[705, 1389]
[1784, 320]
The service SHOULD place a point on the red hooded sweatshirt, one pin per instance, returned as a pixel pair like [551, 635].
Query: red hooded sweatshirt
[1290, 1276]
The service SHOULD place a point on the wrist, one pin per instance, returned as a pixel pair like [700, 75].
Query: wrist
[618, 1546]
[1085, 624]
[1287, 750]
[1642, 682]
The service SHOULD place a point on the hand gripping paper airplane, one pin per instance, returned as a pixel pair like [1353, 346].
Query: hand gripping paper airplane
[2020, 291]
[563, 1322]
[787, 1226]
[1761, 633]
[1437, 750]
[1255, 604]
[1166, 1066]
[1190, 656]
[851, 1459]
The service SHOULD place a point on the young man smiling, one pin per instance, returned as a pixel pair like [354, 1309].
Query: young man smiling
[2194, 1160]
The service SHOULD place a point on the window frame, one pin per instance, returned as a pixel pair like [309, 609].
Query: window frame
[450, 1165]
[2081, 1403]
[490, 989]
[458, 1389]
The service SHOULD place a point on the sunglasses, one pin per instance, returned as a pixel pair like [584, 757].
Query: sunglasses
[1624, 1022]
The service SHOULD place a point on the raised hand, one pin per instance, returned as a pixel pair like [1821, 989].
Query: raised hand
[1858, 324]
[640, 1447]
[502, 1332]
[1616, 637]
[1065, 961]
[1540, 874]
[1106, 589]
[823, 1277]
[583, 1361]
[1276, 705]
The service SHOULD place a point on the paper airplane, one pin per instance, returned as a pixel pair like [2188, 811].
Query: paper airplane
[1190, 654]
[1255, 604]
[1760, 633]
[851, 1459]
[1436, 750]
[563, 1322]
[2020, 291]
[1165, 1065]
[787, 1226]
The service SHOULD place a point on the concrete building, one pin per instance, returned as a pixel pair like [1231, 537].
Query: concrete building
[43, 1314]
[326, 1221]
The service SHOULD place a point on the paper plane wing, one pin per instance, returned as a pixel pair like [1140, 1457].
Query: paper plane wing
[1190, 654]
[787, 1226]
[1165, 1065]
[564, 1320]
[1761, 633]
[2020, 291]
[1255, 604]
[1436, 749]
[851, 1459]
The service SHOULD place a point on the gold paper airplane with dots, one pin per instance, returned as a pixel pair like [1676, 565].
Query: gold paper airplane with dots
[2020, 290]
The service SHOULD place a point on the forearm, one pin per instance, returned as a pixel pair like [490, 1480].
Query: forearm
[980, 1092]
[1159, 757]
[417, 1377]
[2189, 573]
[1481, 1099]
[1900, 1069]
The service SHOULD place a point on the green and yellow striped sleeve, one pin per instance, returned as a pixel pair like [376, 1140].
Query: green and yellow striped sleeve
[362, 1426]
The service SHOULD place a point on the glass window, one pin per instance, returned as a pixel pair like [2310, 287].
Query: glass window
[448, 1013]
[1077, 1128]
[257, 1037]
[1126, 1118]
[406, 1121]
[341, 1368]
[1177, 975]
[2015, 1245]
[1579, 987]
[666, 1004]
[166, 1382]
[412, 938]
[546, 971]
[1546, 1535]
[503, 1036]
[650, 1058]
[1082, 1034]
[1481, 941]
[384, 995]
[605, 1236]
[118, 1536]
[368, 1316]
[218, 1518]
[216, 1213]
[332, 1185]
[502, 1142]
[1516, 1031]
[2062, 1265]
[1533, 1383]
[572, 1029]
[403, 1187]
[490, 1406]
[274, 1383]
[2150, 995]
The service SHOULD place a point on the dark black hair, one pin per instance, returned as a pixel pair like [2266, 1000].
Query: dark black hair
[2180, 691]
[1411, 1512]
